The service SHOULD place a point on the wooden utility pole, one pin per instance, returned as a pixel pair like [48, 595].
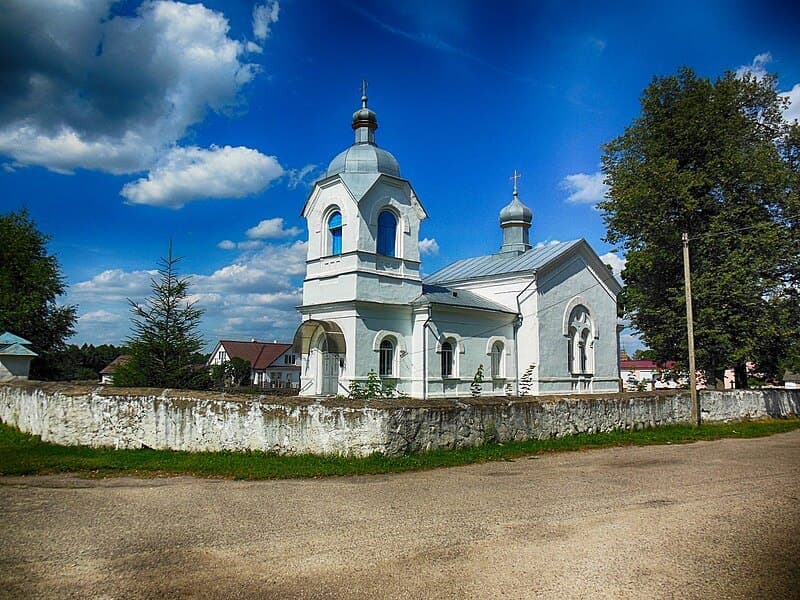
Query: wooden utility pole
[690, 331]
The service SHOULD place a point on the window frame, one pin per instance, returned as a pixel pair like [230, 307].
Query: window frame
[386, 243]
[447, 360]
[334, 233]
[496, 362]
[386, 353]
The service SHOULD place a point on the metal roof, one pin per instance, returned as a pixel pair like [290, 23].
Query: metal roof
[501, 263]
[364, 158]
[15, 350]
[9, 338]
[437, 294]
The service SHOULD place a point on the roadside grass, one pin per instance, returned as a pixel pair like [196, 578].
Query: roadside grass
[23, 454]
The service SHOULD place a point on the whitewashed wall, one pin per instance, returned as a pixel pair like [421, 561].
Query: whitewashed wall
[174, 420]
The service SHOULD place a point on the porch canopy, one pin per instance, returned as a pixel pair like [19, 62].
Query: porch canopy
[308, 331]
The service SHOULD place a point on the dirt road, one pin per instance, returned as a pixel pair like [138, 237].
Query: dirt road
[706, 520]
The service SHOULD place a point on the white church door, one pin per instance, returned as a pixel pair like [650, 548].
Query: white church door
[330, 370]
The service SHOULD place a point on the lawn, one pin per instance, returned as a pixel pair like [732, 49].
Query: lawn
[22, 454]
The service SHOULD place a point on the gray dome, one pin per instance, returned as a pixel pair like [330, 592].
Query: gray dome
[516, 212]
[364, 158]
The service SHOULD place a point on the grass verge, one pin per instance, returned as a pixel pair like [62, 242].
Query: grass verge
[22, 454]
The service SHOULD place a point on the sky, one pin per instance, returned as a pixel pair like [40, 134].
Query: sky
[127, 125]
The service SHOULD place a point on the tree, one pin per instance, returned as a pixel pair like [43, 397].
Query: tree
[165, 335]
[30, 282]
[476, 387]
[647, 354]
[715, 160]
[234, 373]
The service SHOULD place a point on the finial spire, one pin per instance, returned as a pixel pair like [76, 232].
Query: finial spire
[364, 86]
[514, 177]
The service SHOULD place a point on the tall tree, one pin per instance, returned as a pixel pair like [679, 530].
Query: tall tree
[165, 335]
[30, 283]
[714, 159]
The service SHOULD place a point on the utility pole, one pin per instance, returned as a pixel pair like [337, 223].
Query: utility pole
[690, 331]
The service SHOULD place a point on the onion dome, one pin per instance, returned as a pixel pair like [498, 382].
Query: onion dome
[364, 156]
[515, 212]
[515, 221]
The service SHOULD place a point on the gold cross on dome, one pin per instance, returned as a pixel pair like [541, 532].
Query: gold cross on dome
[515, 176]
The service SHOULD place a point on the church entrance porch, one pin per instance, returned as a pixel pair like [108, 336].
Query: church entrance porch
[322, 347]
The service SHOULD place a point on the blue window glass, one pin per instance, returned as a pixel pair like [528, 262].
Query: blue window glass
[335, 229]
[387, 229]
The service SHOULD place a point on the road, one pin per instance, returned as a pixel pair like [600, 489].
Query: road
[706, 520]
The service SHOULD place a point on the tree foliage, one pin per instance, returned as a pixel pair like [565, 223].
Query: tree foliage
[30, 283]
[714, 159]
[231, 373]
[84, 362]
[165, 337]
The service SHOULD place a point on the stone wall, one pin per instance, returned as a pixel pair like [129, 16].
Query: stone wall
[204, 421]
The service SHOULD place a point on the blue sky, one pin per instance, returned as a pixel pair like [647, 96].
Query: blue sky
[124, 125]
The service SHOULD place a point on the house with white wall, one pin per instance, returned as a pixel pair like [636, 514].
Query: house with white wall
[539, 319]
[15, 357]
[272, 365]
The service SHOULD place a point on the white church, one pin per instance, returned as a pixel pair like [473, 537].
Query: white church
[540, 320]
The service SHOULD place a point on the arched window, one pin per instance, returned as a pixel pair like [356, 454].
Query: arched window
[497, 357]
[387, 232]
[581, 342]
[386, 358]
[447, 360]
[335, 232]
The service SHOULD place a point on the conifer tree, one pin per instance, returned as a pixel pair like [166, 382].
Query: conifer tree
[165, 335]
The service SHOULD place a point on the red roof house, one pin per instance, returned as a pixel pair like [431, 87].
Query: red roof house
[272, 365]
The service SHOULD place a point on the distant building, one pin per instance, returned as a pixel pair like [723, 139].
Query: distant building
[647, 373]
[791, 381]
[107, 374]
[15, 358]
[272, 365]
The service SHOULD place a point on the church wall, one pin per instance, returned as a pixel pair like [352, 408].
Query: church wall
[374, 319]
[472, 330]
[556, 289]
[100, 416]
[385, 195]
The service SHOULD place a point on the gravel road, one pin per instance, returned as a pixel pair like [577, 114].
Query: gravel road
[706, 520]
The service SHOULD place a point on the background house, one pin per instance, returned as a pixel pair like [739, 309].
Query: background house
[107, 374]
[646, 373]
[272, 365]
[15, 358]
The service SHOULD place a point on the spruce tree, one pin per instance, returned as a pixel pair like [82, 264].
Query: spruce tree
[164, 334]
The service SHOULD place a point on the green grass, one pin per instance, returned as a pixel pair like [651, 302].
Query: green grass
[22, 454]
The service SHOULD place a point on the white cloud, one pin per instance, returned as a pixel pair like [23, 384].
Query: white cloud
[272, 229]
[114, 285]
[189, 174]
[264, 15]
[304, 176]
[253, 296]
[617, 262]
[585, 188]
[429, 246]
[89, 90]
[99, 316]
[757, 68]
[250, 245]
[227, 245]
[792, 112]
[547, 243]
